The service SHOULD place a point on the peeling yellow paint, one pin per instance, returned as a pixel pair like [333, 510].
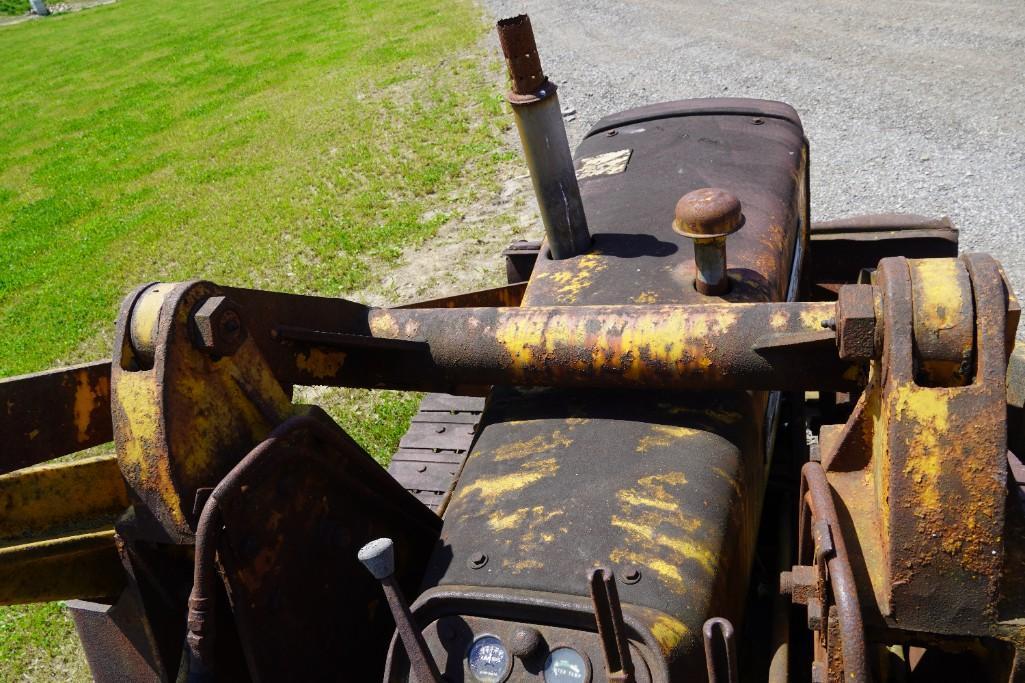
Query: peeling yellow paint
[927, 408]
[87, 397]
[490, 490]
[538, 444]
[664, 436]
[572, 282]
[517, 566]
[779, 320]
[658, 532]
[646, 298]
[669, 632]
[320, 364]
[671, 339]
[503, 522]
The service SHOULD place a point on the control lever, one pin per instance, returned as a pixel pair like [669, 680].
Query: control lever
[379, 559]
[608, 612]
[720, 651]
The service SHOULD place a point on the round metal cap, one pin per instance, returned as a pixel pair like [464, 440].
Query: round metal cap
[525, 642]
[707, 213]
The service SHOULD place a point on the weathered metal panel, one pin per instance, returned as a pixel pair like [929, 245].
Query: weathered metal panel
[295, 511]
[49, 414]
[57, 531]
[756, 153]
[664, 486]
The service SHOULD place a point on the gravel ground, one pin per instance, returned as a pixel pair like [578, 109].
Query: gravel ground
[910, 106]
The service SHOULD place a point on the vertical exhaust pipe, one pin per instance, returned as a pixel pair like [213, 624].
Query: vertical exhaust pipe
[543, 136]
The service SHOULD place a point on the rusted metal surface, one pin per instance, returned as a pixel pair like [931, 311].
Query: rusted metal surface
[551, 468]
[708, 216]
[432, 452]
[520, 258]
[53, 413]
[308, 340]
[535, 105]
[824, 584]
[943, 326]
[516, 37]
[636, 256]
[57, 531]
[920, 471]
[714, 346]
[608, 615]
[506, 295]
[839, 250]
[857, 330]
[294, 513]
[73, 565]
[187, 417]
[113, 639]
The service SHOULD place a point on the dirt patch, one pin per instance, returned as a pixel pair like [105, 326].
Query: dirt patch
[466, 254]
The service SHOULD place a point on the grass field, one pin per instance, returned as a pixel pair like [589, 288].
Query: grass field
[284, 145]
[13, 6]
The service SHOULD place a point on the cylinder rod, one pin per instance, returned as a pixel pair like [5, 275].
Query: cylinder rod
[713, 346]
[535, 106]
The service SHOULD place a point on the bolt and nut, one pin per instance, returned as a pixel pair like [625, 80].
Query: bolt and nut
[217, 324]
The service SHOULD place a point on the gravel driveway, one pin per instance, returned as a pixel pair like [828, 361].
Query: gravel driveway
[910, 106]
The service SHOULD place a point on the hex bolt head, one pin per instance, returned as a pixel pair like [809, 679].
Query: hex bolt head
[218, 326]
[856, 327]
[708, 216]
[378, 557]
[786, 583]
[816, 617]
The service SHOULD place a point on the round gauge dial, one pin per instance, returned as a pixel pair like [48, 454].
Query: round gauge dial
[566, 665]
[488, 660]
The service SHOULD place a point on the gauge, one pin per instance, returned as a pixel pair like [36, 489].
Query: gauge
[488, 660]
[566, 665]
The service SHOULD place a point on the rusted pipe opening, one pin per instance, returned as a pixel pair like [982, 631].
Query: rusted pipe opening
[517, 40]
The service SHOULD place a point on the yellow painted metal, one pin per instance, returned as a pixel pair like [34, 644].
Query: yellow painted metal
[145, 316]
[182, 422]
[57, 531]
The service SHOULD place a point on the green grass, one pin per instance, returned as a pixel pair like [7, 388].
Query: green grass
[272, 144]
[13, 6]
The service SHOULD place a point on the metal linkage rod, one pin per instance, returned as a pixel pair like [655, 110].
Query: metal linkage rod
[714, 346]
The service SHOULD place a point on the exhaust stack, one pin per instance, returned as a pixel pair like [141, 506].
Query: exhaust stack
[535, 105]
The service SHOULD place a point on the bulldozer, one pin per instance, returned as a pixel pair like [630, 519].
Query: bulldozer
[696, 437]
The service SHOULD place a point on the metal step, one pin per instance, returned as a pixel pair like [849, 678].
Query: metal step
[432, 452]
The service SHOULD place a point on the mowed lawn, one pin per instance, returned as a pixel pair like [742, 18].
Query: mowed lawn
[288, 145]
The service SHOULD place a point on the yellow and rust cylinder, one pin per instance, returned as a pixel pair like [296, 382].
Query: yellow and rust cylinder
[714, 346]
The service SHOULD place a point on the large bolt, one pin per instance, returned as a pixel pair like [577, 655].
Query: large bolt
[218, 326]
[708, 216]
[856, 329]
